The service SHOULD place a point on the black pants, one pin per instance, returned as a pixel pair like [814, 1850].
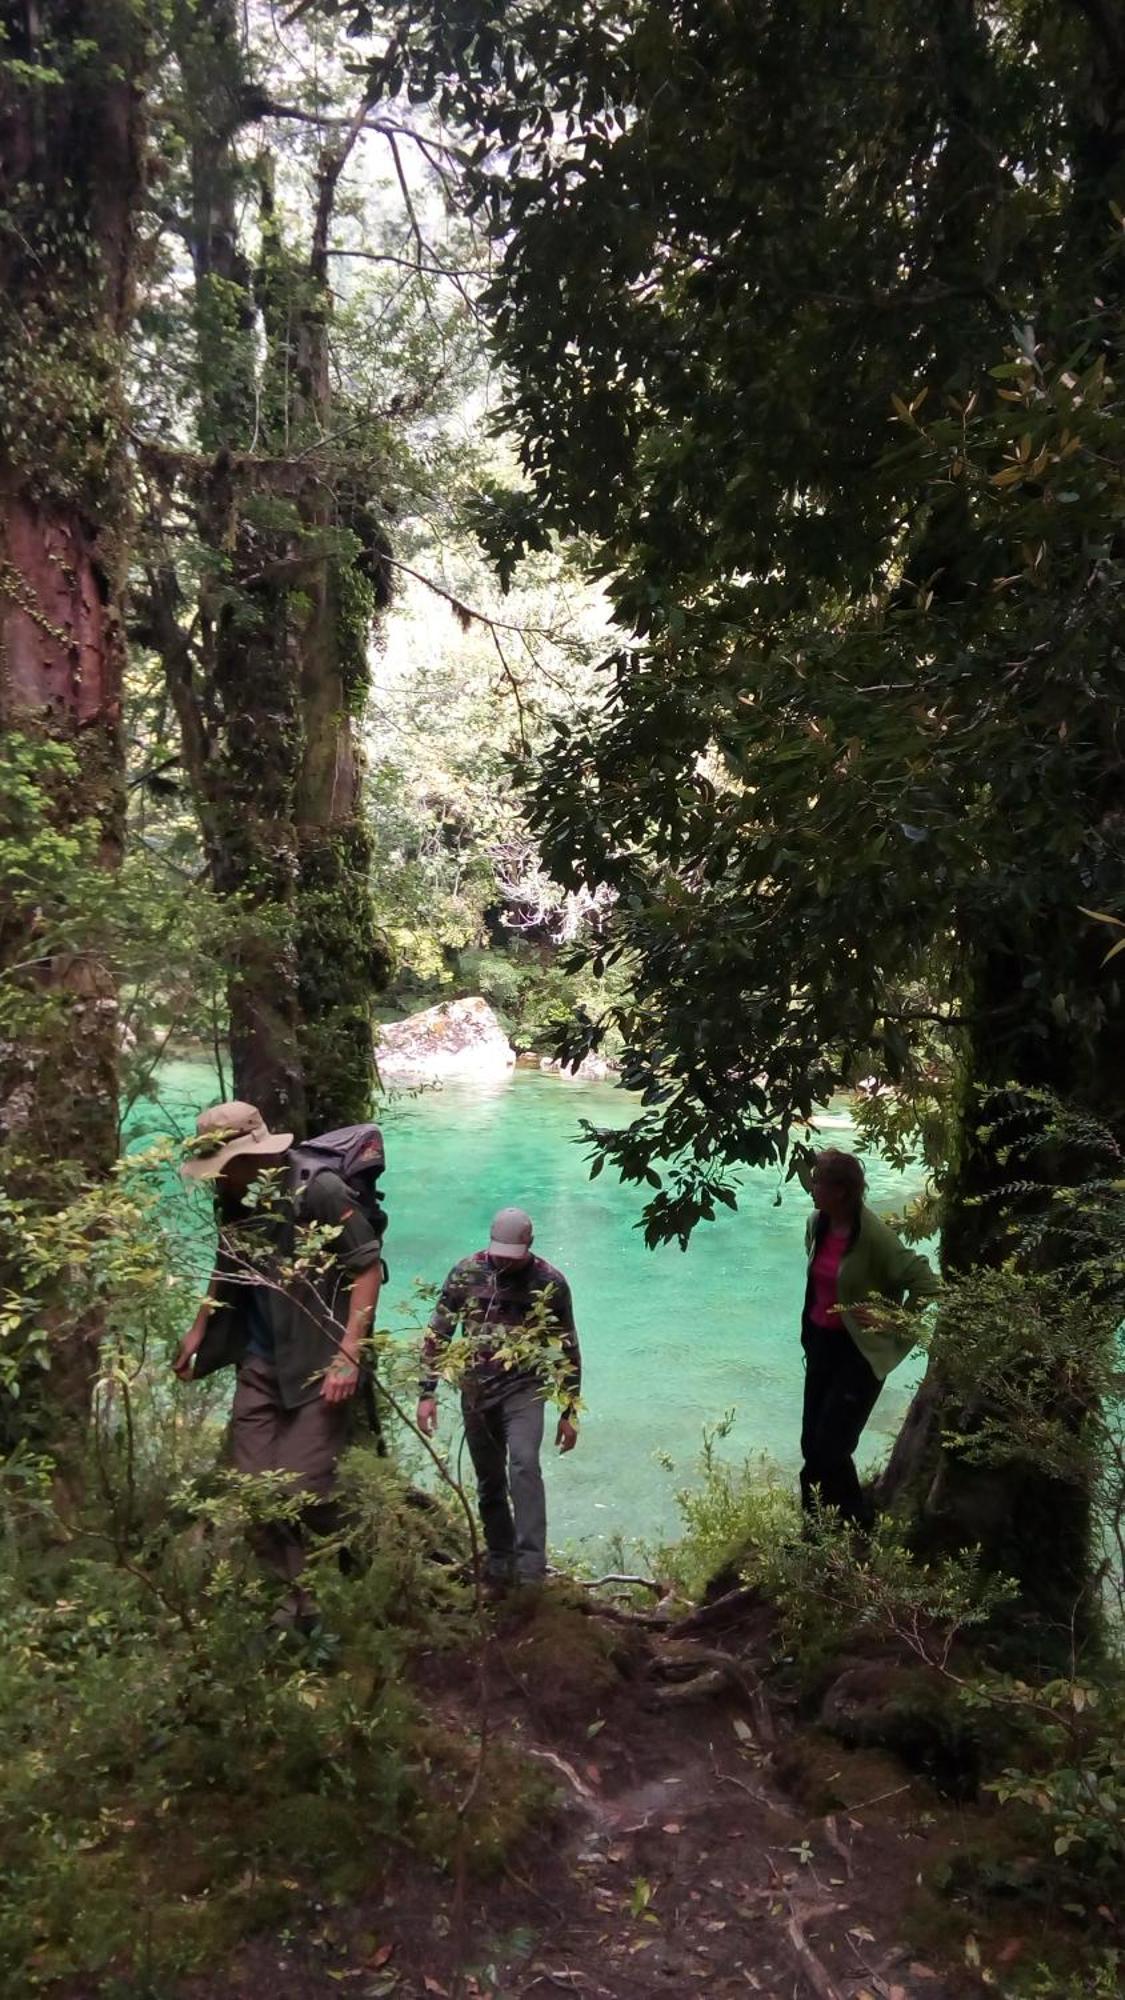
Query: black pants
[841, 1390]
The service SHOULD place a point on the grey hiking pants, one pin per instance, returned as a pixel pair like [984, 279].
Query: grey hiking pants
[306, 1443]
[504, 1440]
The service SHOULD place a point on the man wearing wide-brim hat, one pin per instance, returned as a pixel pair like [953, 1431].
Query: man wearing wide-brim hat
[296, 1341]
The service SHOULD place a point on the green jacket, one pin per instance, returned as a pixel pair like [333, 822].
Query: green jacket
[306, 1313]
[876, 1265]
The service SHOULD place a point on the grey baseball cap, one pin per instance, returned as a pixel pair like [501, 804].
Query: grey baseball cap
[511, 1233]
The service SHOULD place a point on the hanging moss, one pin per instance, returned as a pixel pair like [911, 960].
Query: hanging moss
[355, 617]
[343, 964]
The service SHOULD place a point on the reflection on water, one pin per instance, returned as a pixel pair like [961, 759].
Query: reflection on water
[670, 1339]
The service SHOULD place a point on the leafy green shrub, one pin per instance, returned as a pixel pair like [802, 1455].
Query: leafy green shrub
[1071, 1780]
[174, 1770]
[733, 1515]
[831, 1590]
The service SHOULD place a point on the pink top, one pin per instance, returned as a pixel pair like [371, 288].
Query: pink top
[825, 1274]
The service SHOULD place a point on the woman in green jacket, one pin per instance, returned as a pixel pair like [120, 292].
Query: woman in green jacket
[853, 1258]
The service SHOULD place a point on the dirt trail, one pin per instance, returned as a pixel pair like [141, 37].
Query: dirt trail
[675, 1863]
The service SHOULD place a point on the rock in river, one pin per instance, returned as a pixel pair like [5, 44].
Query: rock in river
[591, 1069]
[458, 1038]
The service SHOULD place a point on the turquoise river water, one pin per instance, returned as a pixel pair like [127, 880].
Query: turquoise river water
[670, 1340]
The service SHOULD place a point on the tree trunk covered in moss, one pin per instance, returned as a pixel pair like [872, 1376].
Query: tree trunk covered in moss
[1029, 1524]
[1048, 1027]
[1046, 1017]
[268, 701]
[341, 959]
[71, 168]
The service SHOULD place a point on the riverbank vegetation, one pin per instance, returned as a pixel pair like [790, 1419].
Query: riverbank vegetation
[618, 510]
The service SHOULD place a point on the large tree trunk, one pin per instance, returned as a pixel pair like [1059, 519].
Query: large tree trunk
[267, 702]
[342, 961]
[1028, 1524]
[70, 182]
[1046, 1020]
[237, 693]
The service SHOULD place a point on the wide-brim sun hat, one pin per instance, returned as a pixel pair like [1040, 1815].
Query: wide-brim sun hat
[228, 1130]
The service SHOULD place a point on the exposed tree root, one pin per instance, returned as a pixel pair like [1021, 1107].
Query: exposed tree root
[746, 1598]
[687, 1671]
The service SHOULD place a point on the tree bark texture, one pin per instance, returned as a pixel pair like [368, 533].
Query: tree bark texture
[71, 173]
[1047, 1017]
[268, 699]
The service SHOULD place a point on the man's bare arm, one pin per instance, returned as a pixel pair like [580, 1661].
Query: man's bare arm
[342, 1378]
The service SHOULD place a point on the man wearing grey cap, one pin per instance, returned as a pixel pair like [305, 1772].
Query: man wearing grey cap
[513, 1308]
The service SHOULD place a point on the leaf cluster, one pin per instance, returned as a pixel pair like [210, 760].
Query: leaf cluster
[809, 331]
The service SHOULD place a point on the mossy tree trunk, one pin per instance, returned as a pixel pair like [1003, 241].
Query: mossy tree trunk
[1046, 1029]
[269, 694]
[71, 171]
[1060, 1038]
[344, 588]
[1045, 1016]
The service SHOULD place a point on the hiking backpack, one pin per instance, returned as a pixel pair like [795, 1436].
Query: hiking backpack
[357, 1154]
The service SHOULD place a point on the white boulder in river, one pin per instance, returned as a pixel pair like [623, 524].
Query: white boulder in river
[458, 1038]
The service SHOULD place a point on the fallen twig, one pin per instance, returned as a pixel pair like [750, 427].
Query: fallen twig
[814, 1970]
[873, 1977]
[879, 1797]
[529, 1889]
[831, 1835]
[567, 1769]
[760, 1798]
[642, 1583]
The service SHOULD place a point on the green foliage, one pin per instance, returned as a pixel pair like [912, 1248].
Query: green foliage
[755, 295]
[154, 954]
[831, 1592]
[1098, 1981]
[176, 1771]
[457, 876]
[1047, 1749]
[1076, 1788]
[1030, 1356]
[731, 1515]
[533, 991]
[168, 1765]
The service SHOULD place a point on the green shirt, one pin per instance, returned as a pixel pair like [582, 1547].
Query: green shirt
[877, 1265]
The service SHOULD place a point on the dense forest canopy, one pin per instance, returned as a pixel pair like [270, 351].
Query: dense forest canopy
[617, 509]
[806, 321]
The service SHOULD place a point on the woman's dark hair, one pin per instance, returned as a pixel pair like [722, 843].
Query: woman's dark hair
[844, 1171]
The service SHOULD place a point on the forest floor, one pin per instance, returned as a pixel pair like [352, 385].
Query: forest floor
[689, 1842]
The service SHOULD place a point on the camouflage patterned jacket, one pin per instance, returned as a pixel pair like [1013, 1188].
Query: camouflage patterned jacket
[494, 1305]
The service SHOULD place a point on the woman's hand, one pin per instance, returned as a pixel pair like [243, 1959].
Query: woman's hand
[426, 1417]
